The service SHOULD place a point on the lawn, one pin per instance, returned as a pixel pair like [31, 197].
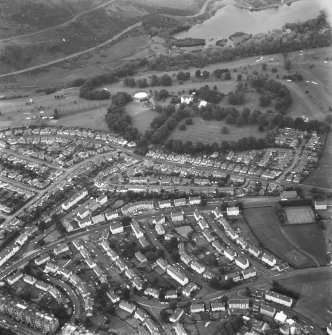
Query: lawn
[310, 238]
[210, 131]
[315, 294]
[184, 230]
[322, 175]
[141, 116]
[265, 226]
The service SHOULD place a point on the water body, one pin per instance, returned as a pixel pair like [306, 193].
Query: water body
[231, 19]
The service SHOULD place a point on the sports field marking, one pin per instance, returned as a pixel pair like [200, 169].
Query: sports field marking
[306, 290]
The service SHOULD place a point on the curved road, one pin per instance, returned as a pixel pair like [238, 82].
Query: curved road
[73, 19]
[76, 54]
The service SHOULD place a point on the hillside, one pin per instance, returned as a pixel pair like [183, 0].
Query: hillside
[20, 17]
[48, 30]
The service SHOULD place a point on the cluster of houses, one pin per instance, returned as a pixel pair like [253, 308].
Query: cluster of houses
[78, 285]
[254, 251]
[27, 313]
[140, 315]
[73, 144]
[9, 251]
[122, 267]
[8, 192]
[21, 169]
[71, 329]
[39, 284]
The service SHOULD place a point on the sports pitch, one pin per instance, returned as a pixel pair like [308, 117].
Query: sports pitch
[299, 215]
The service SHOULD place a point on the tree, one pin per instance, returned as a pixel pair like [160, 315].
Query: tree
[183, 76]
[121, 98]
[264, 66]
[55, 114]
[198, 73]
[166, 80]
[183, 127]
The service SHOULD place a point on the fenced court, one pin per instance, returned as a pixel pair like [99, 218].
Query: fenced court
[299, 215]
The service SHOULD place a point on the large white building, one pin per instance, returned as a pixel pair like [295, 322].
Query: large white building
[242, 263]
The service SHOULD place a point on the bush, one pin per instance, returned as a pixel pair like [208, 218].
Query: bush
[183, 127]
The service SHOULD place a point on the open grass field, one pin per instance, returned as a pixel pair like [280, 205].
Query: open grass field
[310, 238]
[299, 215]
[265, 226]
[322, 175]
[315, 294]
[210, 131]
[141, 116]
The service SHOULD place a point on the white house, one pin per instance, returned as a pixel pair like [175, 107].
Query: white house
[188, 289]
[233, 211]
[242, 263]
[179, 330]
[165, 204]
[140, 314]
[113, 297]
[187, 99]
[126, 306]
[195, 200]
[320, 204]
[152, 292]
[217, 213]
[14, 278]
[180, 202]
[116, 227]
[177, 275]
[217, 306]
[177, 315]
[177, 216]
[140, 257]
[159, 219]
[249, 273]
[136, 229]
[160, 229]
[203, 224]
[270, 260]
[253, 250]
[230, 254]
[74, 199]
[171, 294]
[279, 298]
[241, 303]
[197, 308]
[162, 263]
[199, 268]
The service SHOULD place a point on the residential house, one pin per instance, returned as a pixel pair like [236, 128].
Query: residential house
[177, 216]
[269, 260]
[197, 308]
[189, 289]
[217, 306]
[177, 275]
[136, 229]
[238, 303]
[180, 202]
[233, 211]
[196, 266]
[113, 297]
[152, 292]
[160, 229]
[267, 310]
[177, 315]
[140, 257]
[195, 200]
[243, 263]
[159, 219]
[249, 273]
[179, 330]
[279, 298]
[116, 227]
[230, 254]
[171, 294]
[126, 306]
